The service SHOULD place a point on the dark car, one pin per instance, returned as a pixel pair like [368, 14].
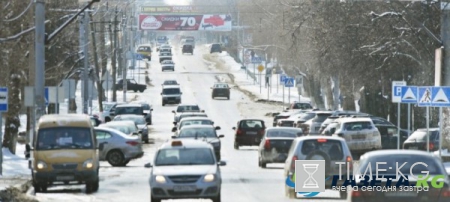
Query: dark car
[216, 48]
[95, 120]
[220, 90]
[300, 105]
[418, 139]
[131, 85]
[249, 132]
[187, 48]
[382, 161]
[206, 133]
[275, 145]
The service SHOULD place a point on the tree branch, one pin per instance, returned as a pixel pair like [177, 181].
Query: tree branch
[18, 35]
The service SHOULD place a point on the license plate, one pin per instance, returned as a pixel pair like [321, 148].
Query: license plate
[65, 177]
[251, 133]
[184, 188]
[401, 194]
[413, 147]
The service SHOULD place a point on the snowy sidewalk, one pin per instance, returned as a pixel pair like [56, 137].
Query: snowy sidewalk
[245, 81]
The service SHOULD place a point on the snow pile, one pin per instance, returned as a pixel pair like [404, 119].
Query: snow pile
[15, 166]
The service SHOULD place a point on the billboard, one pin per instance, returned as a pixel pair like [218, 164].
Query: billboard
[169, 9]
[185, 22]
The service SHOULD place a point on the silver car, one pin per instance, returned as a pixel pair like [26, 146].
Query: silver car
[118, 148]
[127, 127]
[192, 121]
[167, 65]
[184, 169]
[275, 144]
[140, 122]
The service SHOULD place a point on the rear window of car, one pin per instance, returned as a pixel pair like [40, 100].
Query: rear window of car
[422, 135]
[129, 110]
[168, 91]
[321, 117]
[221, 86]
[302, 106]
[188, 108]
[192, 115]
[251, 124]
[357, 125]
[380, 121]
[392, 160]
[284, 133]
[333, 148]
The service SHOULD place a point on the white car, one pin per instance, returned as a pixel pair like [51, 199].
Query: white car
[167, 65]
[185, 169]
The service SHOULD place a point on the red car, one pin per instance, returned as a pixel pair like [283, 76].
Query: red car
[215, 20]
[249, 132]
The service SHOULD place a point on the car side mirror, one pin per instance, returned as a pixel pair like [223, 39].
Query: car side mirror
[174, 137]
[139, 131]
[160, 93]
[151, 109]
[173, 111]
[181, 93]
[174, 129]
[222, 163]
[221, 136]
[217, 128]
[203, 111]
[287, 108]
[340, 134]
[148, 165]
[174, 123]
[234, 128]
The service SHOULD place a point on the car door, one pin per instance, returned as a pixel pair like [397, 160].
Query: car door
[103, 137]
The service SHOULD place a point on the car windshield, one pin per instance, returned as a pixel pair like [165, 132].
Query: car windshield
[196, 122]
[169, 91]
[302, 106]
[333, 148]
[122, 128]
[192, 115]
[170, 82]
[146, 106]
[198, 132]
[249, 124]
[129, 110]
[284, 133]
[397, 160]
[221, 86]
[107, 107]
[144, 48]
[167, 62]
[188, 108]
[422, 135]
[215, 46]
[184, 156]
[307, 116]
[381, 121]
[138, 120]
[64, 138]
[357, 125]
[320, 118]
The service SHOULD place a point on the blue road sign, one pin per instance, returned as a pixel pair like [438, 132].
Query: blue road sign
[289, 82]
[424, 96]
[256, 60]
[46, 96]
[408, 94]
[3, 99]
[282, 78]
[440, 96]
[139, 57]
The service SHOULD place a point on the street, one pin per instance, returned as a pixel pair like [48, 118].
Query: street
[243, 180]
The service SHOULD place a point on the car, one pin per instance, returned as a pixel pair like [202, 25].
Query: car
[95, 120]
[140, 122]
[275, 145]
[316, 122]
[164, 55]
[147, 111]
[118, 148]
[167, 65]
[216, 48]
[131, 108]
[131, 85]
[220, 90]
[299, 105]
[192, 121]
[109, 108]
[127, 127]
[187, 48]
[170, 82]
[169, 178]
[165, 47]
[183, 115]
[381, 161]
[360, 133]
[418, 140]
[188, 41]
[171, 94]
[185, 108]
[286, 115]
[145, 51]
[249, 132]
[205, 133]
[330, 149]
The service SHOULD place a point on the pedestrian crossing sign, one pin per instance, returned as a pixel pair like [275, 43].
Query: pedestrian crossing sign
[440, 96]
[425, 95]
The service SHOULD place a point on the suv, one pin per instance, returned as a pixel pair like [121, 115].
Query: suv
[164, 55]
[249, 132]
[220, 90]
[331, 149]
[145, 51]
[187, 48]
[136, 109]
[171, 95]
[109, 109]
[216, 48]
[360, 133]
[131, 85]
[300, 105]
[418, 140]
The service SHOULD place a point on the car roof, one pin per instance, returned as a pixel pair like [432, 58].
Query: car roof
[119, 123]
[129, 105]
[347, 119]
[171, 86]
[115, 131]
[197, 126]
[195, 118]
[321, 137]
[252, 120]
[424, 129]
[395, 151]
[129, 115]
[62, 120]
[183, 105]
[187, 143]
[191, 113]
[283, 128]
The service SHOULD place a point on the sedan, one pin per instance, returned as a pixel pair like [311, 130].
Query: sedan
[127, 127]
[405, 162]
[118, 148]
[164, 56]
[167, 65]
[220, 90]
[206, 133]
[170, 82]
[140, 122]
[275, 144]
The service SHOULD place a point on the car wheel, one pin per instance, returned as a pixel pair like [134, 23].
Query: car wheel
[107, 119]
[261, 163]
[150, 122]
[153, 199]
[135, 90]
[228, 98]
[236, 146]
[39, 188]
[92, 186]
[150, 59]
[217, 198]
[125, 163]
[146, 141]
[163, 104]
[115, 158]
[142, 90]
[218, 157]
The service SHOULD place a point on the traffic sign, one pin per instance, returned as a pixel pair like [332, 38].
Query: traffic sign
[425, 94]
[396, 91]
[260, 68]
[256, 60]
[440, 96]
[408, 94]
[289, 82]
[46, 96]
[3, 99]
[282, 78]
[139, 57]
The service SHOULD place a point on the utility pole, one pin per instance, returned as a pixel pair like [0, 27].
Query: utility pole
[114, 60]
[97, 66]
[445, 38]
[39, 79]
[86, 63]
[124, 62]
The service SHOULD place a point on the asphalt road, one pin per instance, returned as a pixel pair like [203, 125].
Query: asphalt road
[243, 180]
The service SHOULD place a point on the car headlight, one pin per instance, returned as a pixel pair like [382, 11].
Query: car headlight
[160, 179]
[41, 165]
[209, 178]
[88, 163]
